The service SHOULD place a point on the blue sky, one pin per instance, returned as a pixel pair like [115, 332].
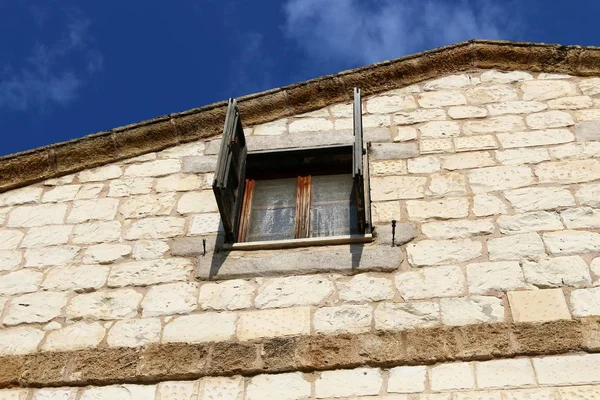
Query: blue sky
[71, 68]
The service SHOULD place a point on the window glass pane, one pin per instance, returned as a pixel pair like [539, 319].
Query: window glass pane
[273, 212]
[332, 211]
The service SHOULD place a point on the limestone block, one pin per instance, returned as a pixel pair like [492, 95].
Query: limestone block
[97, 232]
[107, 305]
[535, 138]
[149, 249]
[61, 194]
[121, 392]
[272, 128]
[588, 115]
[491, 94]
[449, 82]
[508, 123]
[228, 295]
[310, 125]
[63, 180]
[393, 151]
[89, 191]
[452, 207]
[20, 340]
[89, 210]
[430, 283]
[405, 134]
[467, 112]
[572, 242]
[179, 183]
[44, 214]
[569, 370]
[588, 195]
[439, 129]
[457, 229]
[441, 99]
[26, 195]
[571, 103]
[49, 256]
[422, 165]
[170, 299]
[153, 169]
[489, 179]
[178, 390]
[343, 319]
[133, 186]
[504, 374]
[540, 90]
[390, 104]
[401, 316]
[197, 202]
[22, 281]
[419, 115]
[273, 323]
[135, 332]
[494, 76]
[538, 305]
[439, 252]
[397, 187]
[205, 224]
[539, 198]
[223, 388]
[586, 131]
[558, 271]
[9, 239]
[14, 394]
[467, 160]
[576, 151]
[344, 383]
[199, 328]
[154, 228]
[387, 167]
[10, 260]
[516, 107]
[583, 217]
[77, 278]
[150, 272]
[106, 253]
[183, 150]
[290, 386]
[35, 307]
[147, 205]
[78, 336]
[452, 376]
[3, 214]
[494, 277]
[595, 266]
[55, 394]
[516, 247]
[293, 291]
[382, 212]
[365, 288]
[100, 174]
[585, 302]
[480, 142]
[139, 159]
[433, 146]
[549, 119]
[471, 310]
[522, 156]
[529, 222]
[590, 87]
[407, 379]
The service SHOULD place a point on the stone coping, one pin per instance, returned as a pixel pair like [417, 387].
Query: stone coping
[178, 361]
[160, 133]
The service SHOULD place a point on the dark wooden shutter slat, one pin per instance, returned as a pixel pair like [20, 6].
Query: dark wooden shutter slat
[228, 184]
[357, 164]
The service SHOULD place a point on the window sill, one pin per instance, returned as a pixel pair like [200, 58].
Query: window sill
[295, 243]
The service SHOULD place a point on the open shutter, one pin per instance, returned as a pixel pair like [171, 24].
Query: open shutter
[358, 170]
[228, 185]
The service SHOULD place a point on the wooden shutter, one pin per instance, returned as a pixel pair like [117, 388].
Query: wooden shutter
[228, 185]
[358, 170]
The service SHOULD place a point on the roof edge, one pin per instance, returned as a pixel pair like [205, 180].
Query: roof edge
[21, 169]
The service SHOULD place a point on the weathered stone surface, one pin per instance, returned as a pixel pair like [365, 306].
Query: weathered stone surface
[393, 151]
[457, 229]
[115, 304]
[384, 211]
[407, 379]
[141, 273]
[538, 305]
[522, 156]
[439, 129]
[549, 119]
[535, 138]
[343, 319]
[20, 340]
[558, 271]
[310, 125]
[178, 390]
[149, 249]
[61, 194]
[228, 295]
[153, 169]
[401, 316]
[121, 392]
[438, 252]
[465, 112]
[10, 239]
[155, 228]
[494, 76]
[272, 128]
[97, 232]
[454, 207]
[397, 187]
[491, 94]
[452, 376]
[441, 99]
[290, 386]
[588, 115]
[590, 87]
[479, 142]
[89, 191]
[293, 291]
[90, 210]
[529, 222]
[179, 183]
[170, 299]
[585, 302]
[508, 123]
[447, 184]
[405, 134]
[100, 174]
[573, 369]
[44, 214]
[274, 323]
[449, 82]
[540, 90]
[431, 282]
[76, 278]
[504, 374]
[135, 332]
[419, 115]
[539, 198]
[46, 236]
[572, 242]
[131, 186]
[26, 195]
[388, 167]
[471, 310]
[586, 131]
[10, 260]
[198, 328]
[494, 277]
[35, 307]
[583, 217]
[485, 180]
[571, 103]
[197, 202]
[48, 256]
[516, 247]
[106, 253]
[365, 288]
[55, 394]
[147, 205]
[74, 337]
[516, 107]
[588, 195]
[205, 224]
[22, 281]
[221, 388]
[576, 151]
[467, 160]
[390, 104]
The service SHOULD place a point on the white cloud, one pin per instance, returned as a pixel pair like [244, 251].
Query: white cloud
[364, 31]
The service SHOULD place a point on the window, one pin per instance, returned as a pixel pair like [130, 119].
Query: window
[291, 194]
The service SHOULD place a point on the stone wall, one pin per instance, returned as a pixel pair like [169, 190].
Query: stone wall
[494, 178]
